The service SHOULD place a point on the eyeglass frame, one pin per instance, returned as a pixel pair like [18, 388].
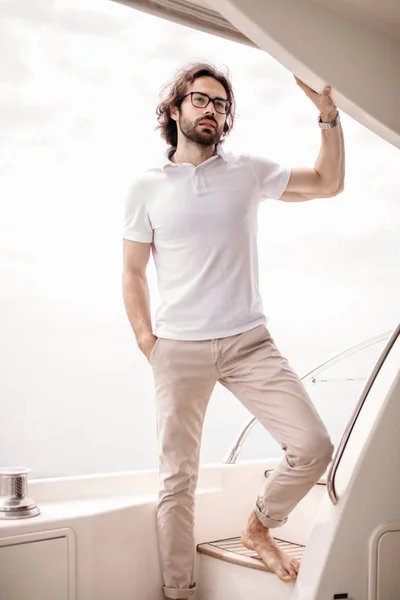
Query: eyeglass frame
[209, 100]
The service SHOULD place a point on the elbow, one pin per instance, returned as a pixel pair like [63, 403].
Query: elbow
[340, 188]
[336, 190]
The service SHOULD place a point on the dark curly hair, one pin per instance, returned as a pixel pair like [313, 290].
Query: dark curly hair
[173, 92]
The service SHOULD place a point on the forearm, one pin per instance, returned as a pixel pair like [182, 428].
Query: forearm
[137, 304]
[330, 163]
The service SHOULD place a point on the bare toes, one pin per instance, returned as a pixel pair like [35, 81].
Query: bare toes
[296, 565]
[291, 571]
[284, 575]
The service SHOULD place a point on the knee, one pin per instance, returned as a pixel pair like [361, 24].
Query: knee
[324, 452]
[317, 448]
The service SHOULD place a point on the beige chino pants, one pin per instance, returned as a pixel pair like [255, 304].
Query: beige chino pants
[252, 368]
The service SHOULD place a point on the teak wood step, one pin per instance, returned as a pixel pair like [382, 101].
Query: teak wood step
[233, 551]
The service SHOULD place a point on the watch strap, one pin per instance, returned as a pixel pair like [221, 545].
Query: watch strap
[330, 125]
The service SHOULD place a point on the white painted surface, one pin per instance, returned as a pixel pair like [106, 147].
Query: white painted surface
[219, 580]
[388, 566]
[33, 570]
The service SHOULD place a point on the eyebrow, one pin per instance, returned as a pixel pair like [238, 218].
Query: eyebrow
[205, 94]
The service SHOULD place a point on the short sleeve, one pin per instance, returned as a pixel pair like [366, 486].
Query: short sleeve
[272, 177]
[137, 226]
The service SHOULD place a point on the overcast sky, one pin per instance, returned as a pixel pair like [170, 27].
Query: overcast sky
[79, 83]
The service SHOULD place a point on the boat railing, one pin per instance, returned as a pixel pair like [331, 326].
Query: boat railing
[237, 446]
[333, 495]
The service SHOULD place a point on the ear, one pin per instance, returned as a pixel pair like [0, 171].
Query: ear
[174, 113]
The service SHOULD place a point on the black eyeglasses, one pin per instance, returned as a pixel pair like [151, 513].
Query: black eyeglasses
[200, 100]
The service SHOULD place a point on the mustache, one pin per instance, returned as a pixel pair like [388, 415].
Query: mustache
[207, 119]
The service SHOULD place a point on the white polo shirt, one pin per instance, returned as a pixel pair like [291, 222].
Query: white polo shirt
[202, 223]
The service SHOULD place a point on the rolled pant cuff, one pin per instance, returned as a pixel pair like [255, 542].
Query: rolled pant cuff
[267, 521]
[177, 594]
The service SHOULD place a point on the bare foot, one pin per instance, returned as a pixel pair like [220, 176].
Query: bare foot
[258, 538]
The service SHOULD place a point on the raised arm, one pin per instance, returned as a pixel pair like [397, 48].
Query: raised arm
[326, 179]
[136, 293]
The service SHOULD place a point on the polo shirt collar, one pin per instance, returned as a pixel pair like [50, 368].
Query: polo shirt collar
[170, 150]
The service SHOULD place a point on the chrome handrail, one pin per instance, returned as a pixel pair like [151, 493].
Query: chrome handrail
[236, 448]
[333, 495]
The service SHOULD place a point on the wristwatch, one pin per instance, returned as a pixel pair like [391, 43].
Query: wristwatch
[330, 125]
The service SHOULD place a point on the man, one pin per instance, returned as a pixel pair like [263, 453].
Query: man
[197, 211]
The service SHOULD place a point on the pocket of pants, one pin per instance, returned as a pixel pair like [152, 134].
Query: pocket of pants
[264, 334]
[267, 333]
[151, 357]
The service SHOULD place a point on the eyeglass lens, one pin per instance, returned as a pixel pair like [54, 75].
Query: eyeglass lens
[201, 100]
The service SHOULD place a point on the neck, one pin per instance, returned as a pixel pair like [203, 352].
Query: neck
[192, 153]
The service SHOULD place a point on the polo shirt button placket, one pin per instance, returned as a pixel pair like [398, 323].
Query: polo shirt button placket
[199, 182]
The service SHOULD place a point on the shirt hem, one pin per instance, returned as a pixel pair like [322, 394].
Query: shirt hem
[133, 237]
[165, 333]
[285, 181]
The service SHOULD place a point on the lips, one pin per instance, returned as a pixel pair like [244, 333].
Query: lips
[207, 123]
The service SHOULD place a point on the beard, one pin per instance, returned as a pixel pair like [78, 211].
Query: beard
[203, 135]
